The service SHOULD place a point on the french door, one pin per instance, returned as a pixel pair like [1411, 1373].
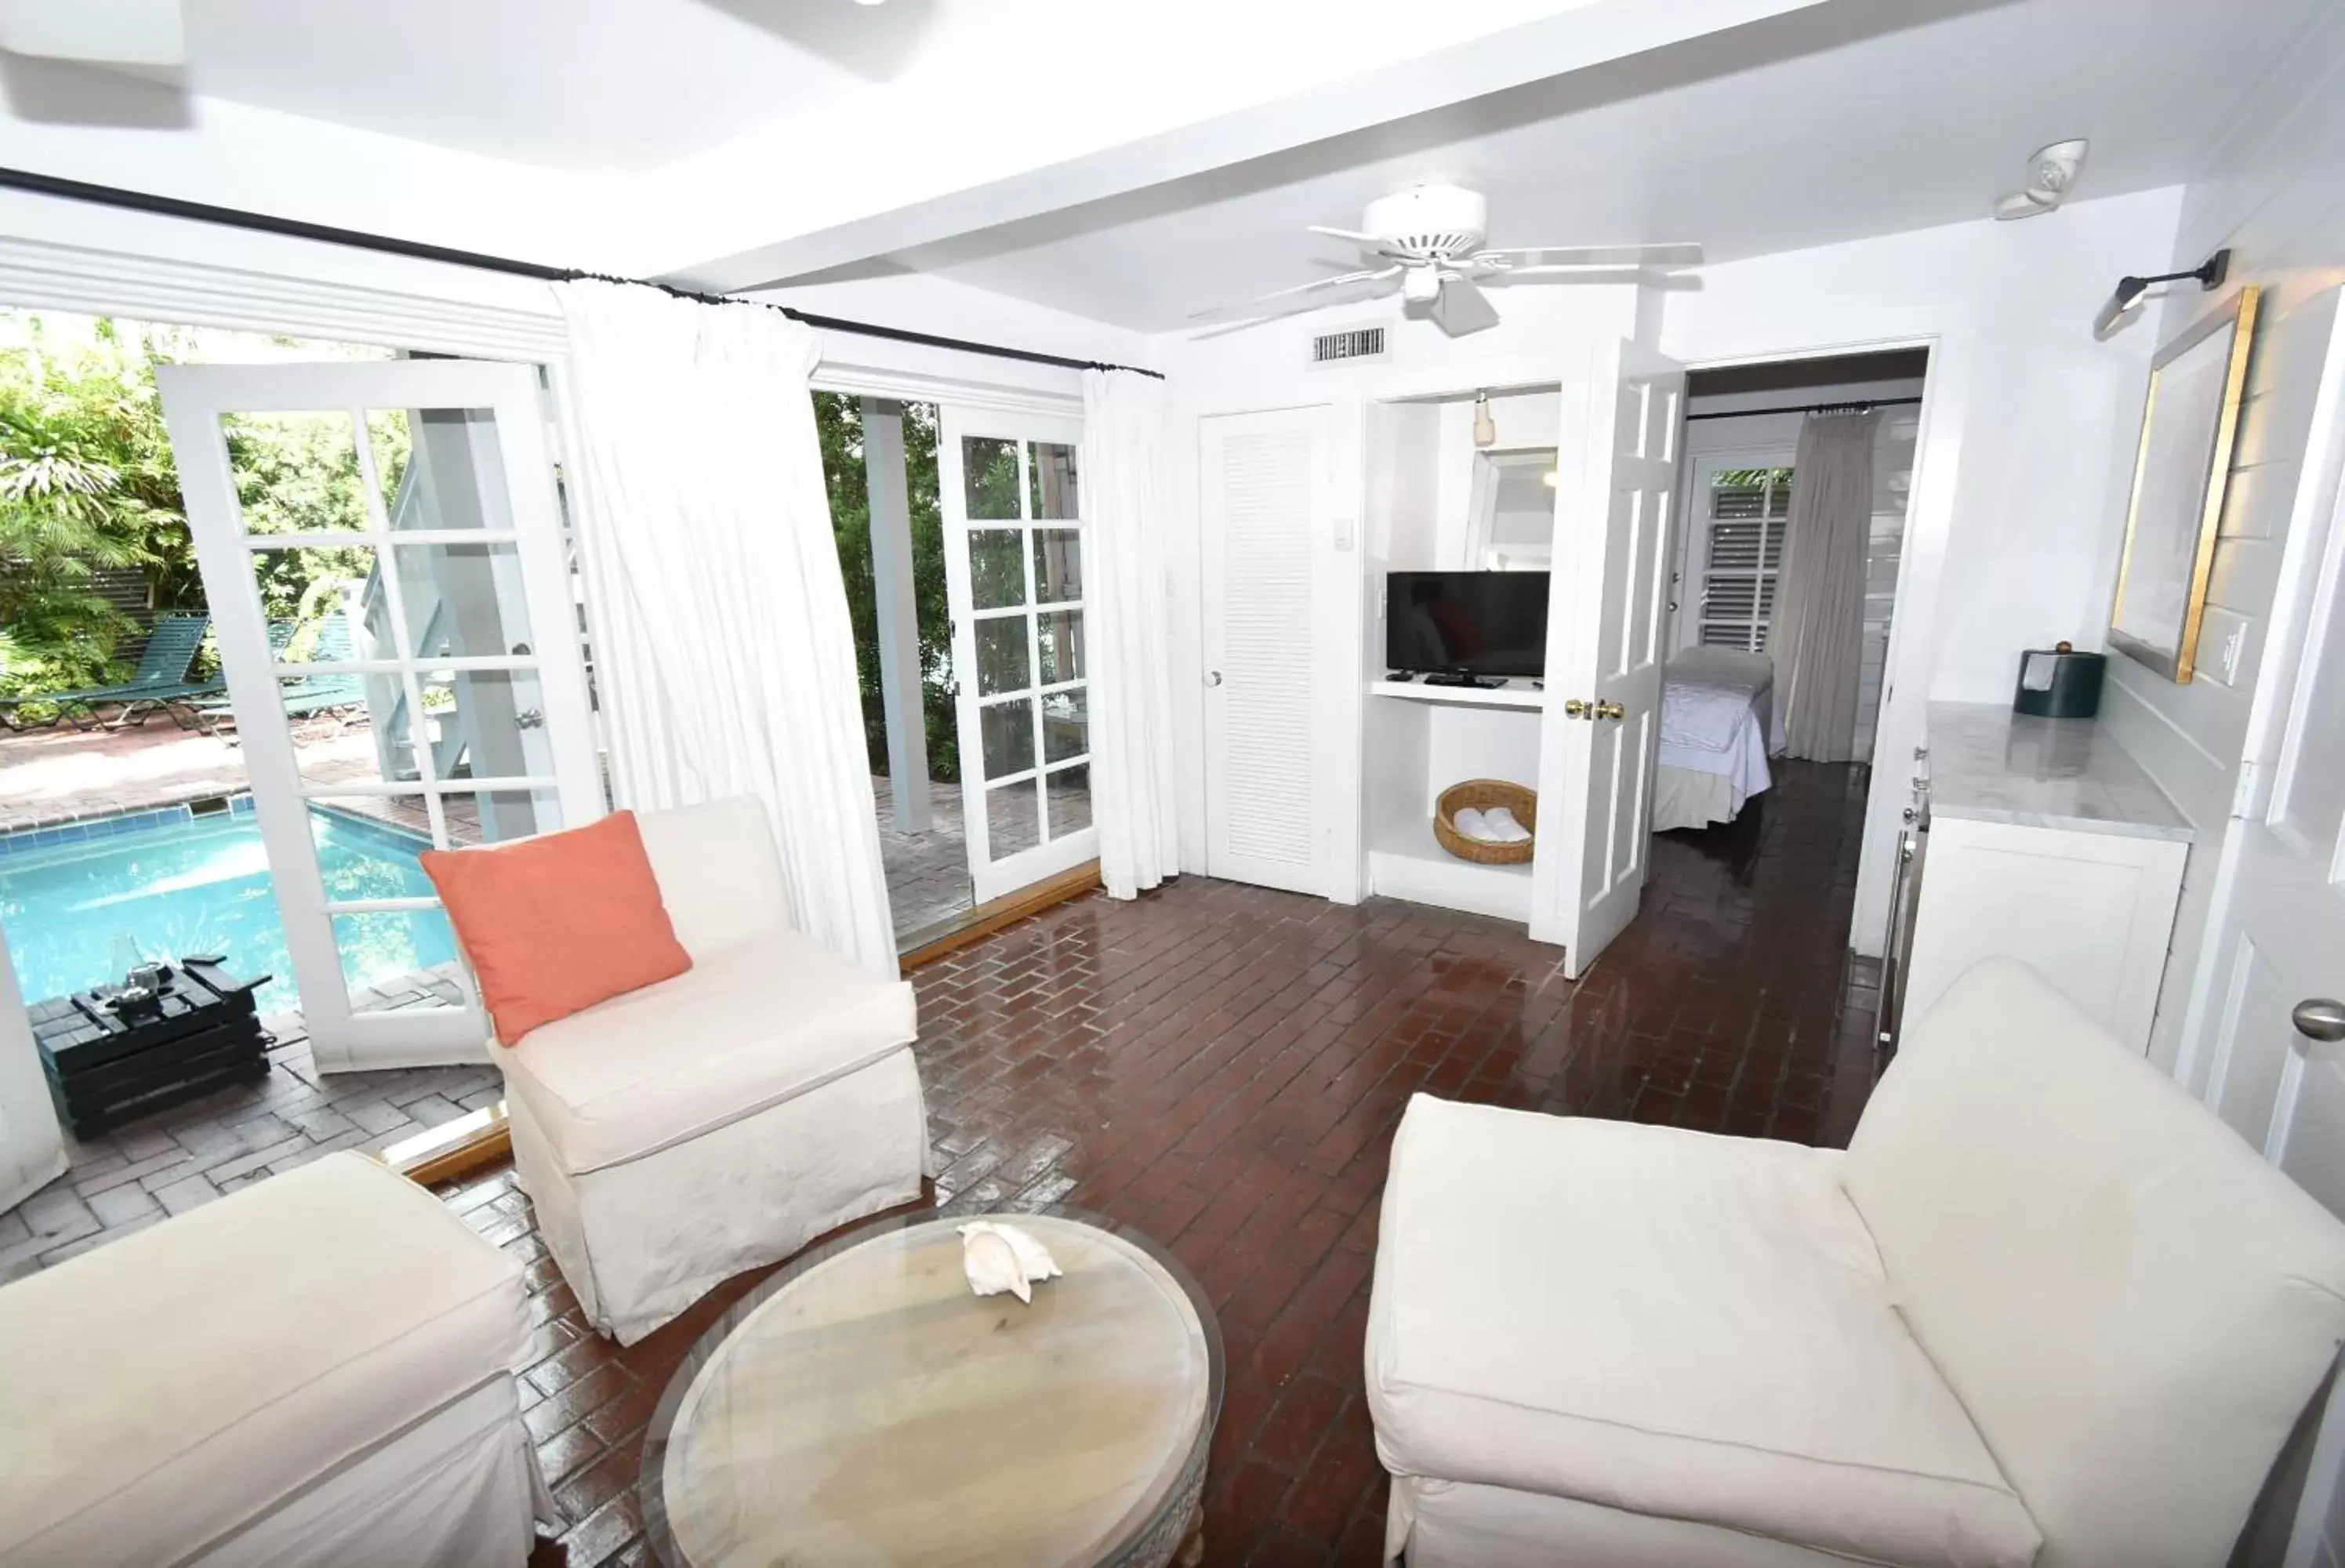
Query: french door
[1012, 507]
[396, 626]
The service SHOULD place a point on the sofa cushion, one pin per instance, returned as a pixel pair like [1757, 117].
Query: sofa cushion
[1667, 1322]
[172, 1385]
[556, 923]
[745, 1029]
[2134, 1307]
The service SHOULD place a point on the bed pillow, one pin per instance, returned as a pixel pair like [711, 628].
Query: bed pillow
[555, 923]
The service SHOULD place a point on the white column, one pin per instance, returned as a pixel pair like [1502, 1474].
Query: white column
[900, 623]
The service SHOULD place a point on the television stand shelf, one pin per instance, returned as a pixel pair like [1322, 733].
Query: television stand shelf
[1513, 694]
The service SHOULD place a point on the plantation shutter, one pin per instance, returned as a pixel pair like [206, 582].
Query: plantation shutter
[1743, 556]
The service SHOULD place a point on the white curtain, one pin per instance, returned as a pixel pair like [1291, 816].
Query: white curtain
[1133, 775]
[724, 657]
[1817, 632]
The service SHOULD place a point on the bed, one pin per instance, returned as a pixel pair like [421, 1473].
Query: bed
[1719, 727]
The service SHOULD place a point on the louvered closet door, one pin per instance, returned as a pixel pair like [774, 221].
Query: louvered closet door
[1264, 491]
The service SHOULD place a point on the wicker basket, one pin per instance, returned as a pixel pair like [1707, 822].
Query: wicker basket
[1482, 794]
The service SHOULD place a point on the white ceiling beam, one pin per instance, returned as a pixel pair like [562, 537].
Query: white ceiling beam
[997, 145]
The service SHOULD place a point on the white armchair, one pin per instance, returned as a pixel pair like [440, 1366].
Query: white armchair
[2046, 1309]
[677, 1135]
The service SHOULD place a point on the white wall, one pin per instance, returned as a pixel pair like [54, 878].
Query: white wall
[1547, 336]
[2010, 541]
[2274, 192]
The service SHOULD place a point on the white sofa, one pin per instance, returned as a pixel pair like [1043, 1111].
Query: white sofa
[677, 1135]
[315, 1370]
[2046, 1309]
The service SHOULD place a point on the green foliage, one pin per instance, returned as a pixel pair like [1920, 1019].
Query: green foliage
[87, 484]
[299, 474]
[838, 419]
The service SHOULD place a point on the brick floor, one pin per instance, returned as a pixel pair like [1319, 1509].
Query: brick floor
[1223, 1066]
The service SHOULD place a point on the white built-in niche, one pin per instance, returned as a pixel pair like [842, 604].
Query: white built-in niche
[1438, 501]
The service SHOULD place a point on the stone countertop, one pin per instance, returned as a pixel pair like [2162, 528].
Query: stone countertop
[1988, 763]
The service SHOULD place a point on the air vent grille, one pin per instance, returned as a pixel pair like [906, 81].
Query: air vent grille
[1358, 343]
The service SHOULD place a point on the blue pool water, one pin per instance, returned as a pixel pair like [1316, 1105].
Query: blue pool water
[173, 885]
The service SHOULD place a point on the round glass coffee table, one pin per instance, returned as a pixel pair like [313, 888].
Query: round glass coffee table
[863, 1407]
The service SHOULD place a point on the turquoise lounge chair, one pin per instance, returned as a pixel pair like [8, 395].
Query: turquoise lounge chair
[161, 684]
[303, 699]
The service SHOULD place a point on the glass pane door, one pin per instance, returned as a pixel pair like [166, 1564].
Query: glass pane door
[396, 622]
[1012, 500]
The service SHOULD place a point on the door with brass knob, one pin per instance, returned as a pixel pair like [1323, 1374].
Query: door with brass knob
[1615, 541]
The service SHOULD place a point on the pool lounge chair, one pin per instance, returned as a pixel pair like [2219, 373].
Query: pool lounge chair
[304, 698]
[161, 684]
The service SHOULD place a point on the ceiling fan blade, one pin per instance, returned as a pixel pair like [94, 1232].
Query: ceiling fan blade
[1589, 256]
[1376, 243]
[1643, 276]
[1460, 308]
[1296, 297]
[110, 32]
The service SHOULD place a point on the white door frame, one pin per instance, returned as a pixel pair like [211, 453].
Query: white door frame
[992, 876]
[196, 397]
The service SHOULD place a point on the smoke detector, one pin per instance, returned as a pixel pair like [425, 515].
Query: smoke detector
[2051, 175]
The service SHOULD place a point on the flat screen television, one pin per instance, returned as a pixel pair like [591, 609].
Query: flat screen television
[1466, 622]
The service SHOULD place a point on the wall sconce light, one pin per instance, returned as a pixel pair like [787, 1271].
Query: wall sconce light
[1486, 428]
[2128, 298]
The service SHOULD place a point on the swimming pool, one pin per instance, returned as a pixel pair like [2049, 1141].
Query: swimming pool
[75, 901]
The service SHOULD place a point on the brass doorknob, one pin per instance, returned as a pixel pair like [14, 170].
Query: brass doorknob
[1610, 711]
[1575, 708]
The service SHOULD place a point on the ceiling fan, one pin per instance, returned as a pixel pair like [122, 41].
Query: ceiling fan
[1429, 238]
[101, 32]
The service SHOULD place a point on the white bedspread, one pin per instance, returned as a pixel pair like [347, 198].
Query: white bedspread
[1718, 717]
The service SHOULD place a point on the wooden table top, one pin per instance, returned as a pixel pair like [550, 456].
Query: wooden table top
[864, 1407]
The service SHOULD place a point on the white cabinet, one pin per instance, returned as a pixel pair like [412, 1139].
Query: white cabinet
[2092, 910]
[2046, 842]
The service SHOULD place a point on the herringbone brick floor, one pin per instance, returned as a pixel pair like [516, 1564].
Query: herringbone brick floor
[1223, 1066]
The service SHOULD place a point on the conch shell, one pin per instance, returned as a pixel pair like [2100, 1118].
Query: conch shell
[999, 1257]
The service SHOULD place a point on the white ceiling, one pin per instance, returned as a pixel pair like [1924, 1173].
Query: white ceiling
[602, 85]
[1811, 130]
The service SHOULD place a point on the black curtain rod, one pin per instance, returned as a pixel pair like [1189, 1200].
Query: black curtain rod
[263, 223]
[1858, 407]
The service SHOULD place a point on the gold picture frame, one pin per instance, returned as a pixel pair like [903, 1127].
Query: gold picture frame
[2181, 474]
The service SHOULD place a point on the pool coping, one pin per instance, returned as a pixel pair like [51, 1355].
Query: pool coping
[93, 825]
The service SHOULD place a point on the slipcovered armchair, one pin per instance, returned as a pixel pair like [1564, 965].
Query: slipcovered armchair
[717, 1121]
[2046, 1309]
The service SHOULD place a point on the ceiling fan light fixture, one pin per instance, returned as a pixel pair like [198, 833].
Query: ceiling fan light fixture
[1420, 285]
[2051, 174]
[1486, 428]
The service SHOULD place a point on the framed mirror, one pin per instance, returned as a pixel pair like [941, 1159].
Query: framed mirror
[2188, 426]
[1511, 509]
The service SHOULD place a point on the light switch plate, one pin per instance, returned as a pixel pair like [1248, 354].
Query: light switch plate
[1342, 534]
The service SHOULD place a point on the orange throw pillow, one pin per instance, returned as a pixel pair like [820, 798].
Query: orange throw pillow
[555, 923]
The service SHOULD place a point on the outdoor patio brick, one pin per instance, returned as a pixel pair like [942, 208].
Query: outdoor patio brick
[188, 1192]
[119, 1206]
